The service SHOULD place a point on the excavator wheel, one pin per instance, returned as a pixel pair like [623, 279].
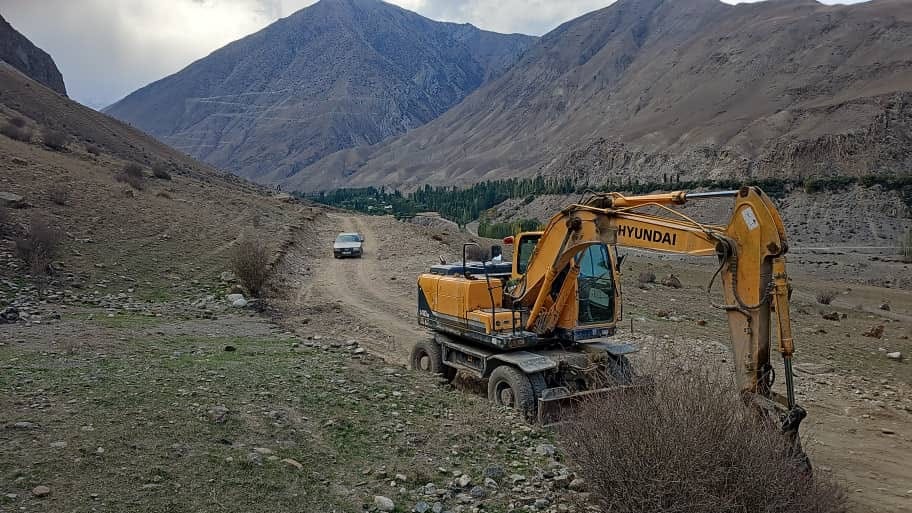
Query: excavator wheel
[427, 357]
[508, 386]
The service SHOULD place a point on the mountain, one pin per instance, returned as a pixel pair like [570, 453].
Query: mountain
[20, 53]
[338, 74]
[660, 89]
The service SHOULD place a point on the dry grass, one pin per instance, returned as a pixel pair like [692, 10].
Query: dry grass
[38, 248]
[250, 263]
[132, 174]
[59, 194]
[692, 446]
[55, 139]
[826, 297]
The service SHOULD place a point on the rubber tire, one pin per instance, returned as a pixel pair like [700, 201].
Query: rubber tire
[524, 397]
[430, 349]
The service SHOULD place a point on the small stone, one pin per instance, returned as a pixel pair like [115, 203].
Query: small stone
[421, 507]
[701, 322]
[58, 445]
[12, 496]
[541, 503]
[227, 277]
[24, 425]
[401, 478]
[218, 414]
[887, 431]
[359, 350]
[239, 303]
[494, 472]
[874, 332]
[490, 483]
[578, 484]
[672, 281]
[230, 349]
[437, 507]
[100, 450]
[383, 503]
[41, 491]
[477, 492]
[517, 478]
[262, 450]
[293, 463]
[895, 356]
[885, 307]
[545, 450]
[464, 481]
[832, 316]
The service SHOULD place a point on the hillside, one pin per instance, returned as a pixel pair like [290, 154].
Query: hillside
[153, 239]
[20, 53]
[338, 74]
[660, 89]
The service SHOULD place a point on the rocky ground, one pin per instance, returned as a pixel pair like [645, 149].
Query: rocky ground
[112, 401]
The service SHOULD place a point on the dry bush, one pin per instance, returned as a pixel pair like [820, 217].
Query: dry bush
[93, 150]
[690, 446]
[55, 139]
[132, 175]
[38, 248]
[250, 263]
[826, 297]
[646, 277]
[16, 133]
[160, 170]
[59, 194]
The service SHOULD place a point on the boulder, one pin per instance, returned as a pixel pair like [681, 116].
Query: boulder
[383, 503]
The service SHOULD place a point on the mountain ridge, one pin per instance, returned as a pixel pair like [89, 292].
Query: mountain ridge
[689, 89]
[337, 74]
[20, 53]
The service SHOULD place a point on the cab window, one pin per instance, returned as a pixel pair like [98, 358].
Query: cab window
[526, 247]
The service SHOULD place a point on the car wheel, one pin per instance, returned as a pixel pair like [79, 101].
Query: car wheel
[427, 357]
[508, 386]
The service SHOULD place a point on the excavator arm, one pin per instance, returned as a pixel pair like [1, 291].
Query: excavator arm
[750, 250]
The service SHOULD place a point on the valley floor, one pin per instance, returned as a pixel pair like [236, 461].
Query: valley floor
[177, 407]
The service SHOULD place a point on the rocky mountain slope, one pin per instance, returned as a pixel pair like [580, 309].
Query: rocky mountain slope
[338, 74]
[660, 89]
[20, 53]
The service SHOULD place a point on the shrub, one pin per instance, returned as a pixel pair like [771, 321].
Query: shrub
[132, 175]
[690, 446]
[16, 133]
[93, 150]
[38, 247]
[59, 194]
[55, 139]
[646, 277]
[250, 263]
[826, 297]
[160, 170]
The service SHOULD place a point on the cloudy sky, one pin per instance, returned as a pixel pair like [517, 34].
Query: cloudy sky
[109, 48]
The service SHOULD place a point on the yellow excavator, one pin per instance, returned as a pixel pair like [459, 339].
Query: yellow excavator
[540, 328]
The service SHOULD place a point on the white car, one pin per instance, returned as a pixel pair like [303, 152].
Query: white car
[348, 245]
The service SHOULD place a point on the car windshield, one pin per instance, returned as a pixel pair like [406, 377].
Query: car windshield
[348, 238]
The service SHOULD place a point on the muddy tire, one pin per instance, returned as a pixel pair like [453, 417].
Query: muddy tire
[427, 357]
[508, 386]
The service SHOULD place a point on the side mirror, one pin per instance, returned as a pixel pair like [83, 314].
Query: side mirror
[496, 251]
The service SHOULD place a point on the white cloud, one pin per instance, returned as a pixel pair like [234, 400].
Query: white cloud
[108, 48]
